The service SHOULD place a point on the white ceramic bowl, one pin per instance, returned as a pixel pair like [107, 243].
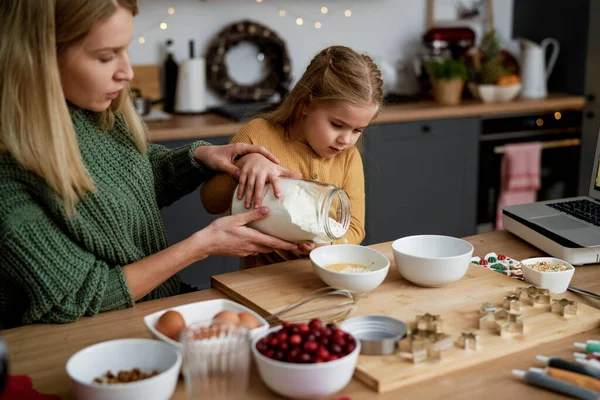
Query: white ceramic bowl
[498, 94]
[201, 311]
[305, 381]
[125, 354]
[352, 254]
[555, 282]
[432, 260]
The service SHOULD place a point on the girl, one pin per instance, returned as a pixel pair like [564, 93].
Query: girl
[80, 229]
[313, 131]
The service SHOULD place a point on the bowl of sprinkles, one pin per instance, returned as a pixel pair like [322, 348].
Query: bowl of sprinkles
[548, 273]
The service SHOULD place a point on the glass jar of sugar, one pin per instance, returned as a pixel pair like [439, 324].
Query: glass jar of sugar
[306, 212]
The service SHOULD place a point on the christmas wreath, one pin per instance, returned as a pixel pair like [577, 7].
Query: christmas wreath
[276, 60]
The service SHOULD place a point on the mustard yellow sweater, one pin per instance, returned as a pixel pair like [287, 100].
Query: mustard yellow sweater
[344, 171]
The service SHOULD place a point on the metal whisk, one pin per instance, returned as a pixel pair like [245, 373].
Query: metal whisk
[319, 304]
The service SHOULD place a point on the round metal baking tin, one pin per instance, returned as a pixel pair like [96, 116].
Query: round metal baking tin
[377, 334]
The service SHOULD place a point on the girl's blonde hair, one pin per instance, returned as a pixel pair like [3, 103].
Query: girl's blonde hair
[336, 75]
[35, 124]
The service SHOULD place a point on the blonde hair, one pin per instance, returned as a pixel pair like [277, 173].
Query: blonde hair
[336, 75]
[35, 124]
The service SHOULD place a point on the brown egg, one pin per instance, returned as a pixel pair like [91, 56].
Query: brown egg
[226, 317]
[170, 324]
[248, 320]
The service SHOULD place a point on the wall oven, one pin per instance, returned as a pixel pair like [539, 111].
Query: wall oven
[560, 135]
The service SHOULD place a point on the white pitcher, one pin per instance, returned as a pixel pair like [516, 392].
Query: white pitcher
[534, 71]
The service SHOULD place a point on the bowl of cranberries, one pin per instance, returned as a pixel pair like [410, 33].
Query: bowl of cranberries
[306, 360]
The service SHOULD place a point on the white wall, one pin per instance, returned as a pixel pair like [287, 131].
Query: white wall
[384, 29]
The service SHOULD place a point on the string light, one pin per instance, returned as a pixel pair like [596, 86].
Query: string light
[282, 13]
[324, 10]
[348, 13]
[163, 25]
[141, 40]
[259, 1]
[299, 21]
[318, 25]
[171, 10]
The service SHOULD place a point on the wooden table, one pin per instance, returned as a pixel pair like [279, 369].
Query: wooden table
[41, 351]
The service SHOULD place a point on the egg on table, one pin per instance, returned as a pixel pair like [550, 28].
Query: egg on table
[170, 324]
[226, 317]
[248, 320]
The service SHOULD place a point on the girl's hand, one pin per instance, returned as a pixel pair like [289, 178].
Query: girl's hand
[221, 158]
[304, 249]
[256, 171]
[229, 236]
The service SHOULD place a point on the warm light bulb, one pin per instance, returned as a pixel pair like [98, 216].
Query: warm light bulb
[259, 1]
[539, 122]
[282, 13]
[141, 40]
[171, 10]
[163, 25]
[557, 115]
[348, 13]
[318, 25]
[299, 21]
[324, 10]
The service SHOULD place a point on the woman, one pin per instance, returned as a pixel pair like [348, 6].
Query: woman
[80, 229]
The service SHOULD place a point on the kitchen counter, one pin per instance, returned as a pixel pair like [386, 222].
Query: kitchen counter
[182, 127]
[41, 351]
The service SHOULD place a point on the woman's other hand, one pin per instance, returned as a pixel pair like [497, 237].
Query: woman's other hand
[222, 158]
[256, 172]
[229, 236]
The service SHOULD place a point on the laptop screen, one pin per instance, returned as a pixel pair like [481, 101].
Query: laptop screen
[595, 184]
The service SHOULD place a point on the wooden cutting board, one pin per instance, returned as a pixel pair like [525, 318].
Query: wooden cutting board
[269, 289]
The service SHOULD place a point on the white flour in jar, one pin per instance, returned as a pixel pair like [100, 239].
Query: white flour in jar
[293, 216]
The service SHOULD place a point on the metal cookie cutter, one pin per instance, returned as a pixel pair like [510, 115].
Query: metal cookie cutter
[564, 307]
[426, 340]
[468, 341]
[507, 323]
[535, 295]
[512, 302]
[488, 316]
[430, 322]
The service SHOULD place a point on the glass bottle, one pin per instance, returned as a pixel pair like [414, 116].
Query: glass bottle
[306, 211]
[171, 70]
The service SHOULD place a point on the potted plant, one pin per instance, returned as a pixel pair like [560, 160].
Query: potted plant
[448, 79]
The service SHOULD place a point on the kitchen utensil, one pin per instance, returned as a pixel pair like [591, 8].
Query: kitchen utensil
[305, 381]
[329, 304]
[579, 290]
[556, 282]
[124, 355]
[216, 361]
[432, 260]
[377, 334]
[534, 70]
[191, 84]
[359, 282]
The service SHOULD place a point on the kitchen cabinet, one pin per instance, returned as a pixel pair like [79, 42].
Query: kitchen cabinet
[421, 178]
[186, 216]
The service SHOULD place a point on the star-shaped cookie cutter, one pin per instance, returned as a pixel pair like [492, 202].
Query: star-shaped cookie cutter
[488, 316]
[430, 322]
[508, 323]
[535, 295]
[512, 302]
[468, 341]
[564, 307]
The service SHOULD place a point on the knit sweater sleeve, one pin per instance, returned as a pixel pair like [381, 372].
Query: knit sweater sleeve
[354, 185]
[176, 171]
[217, 192]
[61, 281]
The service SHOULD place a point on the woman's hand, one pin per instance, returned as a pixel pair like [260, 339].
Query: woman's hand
[304, 249]
[256, 171]
[229, 236]
[222, 158]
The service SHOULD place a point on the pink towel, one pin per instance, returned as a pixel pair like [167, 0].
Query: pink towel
[520, 176]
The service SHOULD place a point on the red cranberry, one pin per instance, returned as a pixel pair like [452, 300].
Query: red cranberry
[324, 341]
[331, 326]
[282, 337]
[317, 334]
[285, 325]
[349, 348]
[293, 329]
[303, 328]
[274, 342]
[291, 359]
[280, 356]
[310, 346]
[335, 349]
[332, 357]
[323, 353]
[349, 338]
[315, 323]
[284, 346]
[270, 353]
[310, 337]
[295, 339]
[339, 333]
[340, 341]
[261, 346]
[318, 360]
[305, 358]
[326, 332]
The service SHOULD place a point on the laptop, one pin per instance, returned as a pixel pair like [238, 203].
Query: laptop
[568, 229]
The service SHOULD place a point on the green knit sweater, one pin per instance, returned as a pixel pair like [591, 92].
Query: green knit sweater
[54, 269]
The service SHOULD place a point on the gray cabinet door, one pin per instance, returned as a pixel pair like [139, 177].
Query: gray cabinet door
[186, 216]
[421, 178]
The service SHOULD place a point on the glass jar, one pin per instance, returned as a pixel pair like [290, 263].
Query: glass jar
[306, 212]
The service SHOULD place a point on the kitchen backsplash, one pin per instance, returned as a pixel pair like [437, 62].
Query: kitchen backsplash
[385, 29]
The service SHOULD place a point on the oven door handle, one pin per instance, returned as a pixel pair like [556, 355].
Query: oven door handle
[550, 144]
[527, 134]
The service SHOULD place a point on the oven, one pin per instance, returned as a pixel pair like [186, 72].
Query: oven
[560, 135]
